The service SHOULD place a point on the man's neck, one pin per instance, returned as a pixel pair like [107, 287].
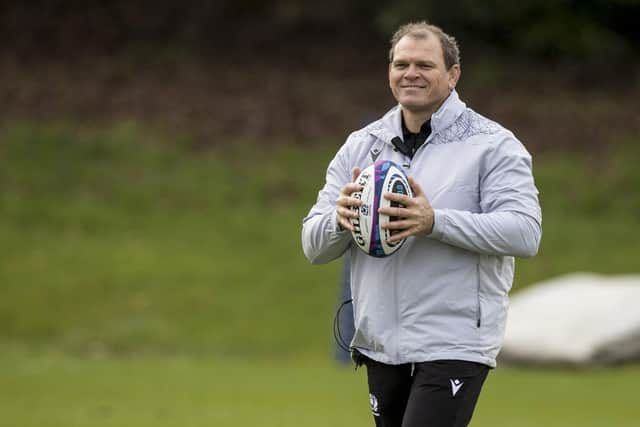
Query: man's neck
[414, 121]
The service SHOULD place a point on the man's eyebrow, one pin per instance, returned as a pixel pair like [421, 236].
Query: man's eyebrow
[418, 62]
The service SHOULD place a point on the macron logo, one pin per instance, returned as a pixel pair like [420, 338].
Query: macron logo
[374, 154]
[456, 385]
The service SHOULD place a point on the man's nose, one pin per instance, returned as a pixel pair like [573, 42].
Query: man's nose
[411, 72]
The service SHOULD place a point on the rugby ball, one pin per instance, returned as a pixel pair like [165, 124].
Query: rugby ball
[381, 177]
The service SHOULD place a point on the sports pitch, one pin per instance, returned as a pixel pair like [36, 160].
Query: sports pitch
[131, 297]
[54, 390]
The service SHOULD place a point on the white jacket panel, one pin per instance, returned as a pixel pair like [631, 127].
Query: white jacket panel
[442, 296]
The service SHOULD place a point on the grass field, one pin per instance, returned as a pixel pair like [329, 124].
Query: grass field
[48, 390]
[148, 283]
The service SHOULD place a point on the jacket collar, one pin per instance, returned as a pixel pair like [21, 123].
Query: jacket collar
[390, 125]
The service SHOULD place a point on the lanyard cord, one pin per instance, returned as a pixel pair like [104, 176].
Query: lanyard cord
[337, 334]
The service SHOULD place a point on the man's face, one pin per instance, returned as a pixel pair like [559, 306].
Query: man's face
[418, 77]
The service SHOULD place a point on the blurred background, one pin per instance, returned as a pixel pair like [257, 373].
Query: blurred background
[157, 159]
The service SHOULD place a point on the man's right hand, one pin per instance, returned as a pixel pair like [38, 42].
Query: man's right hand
[345, 202]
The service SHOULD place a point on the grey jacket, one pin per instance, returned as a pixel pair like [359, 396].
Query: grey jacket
[445, 295]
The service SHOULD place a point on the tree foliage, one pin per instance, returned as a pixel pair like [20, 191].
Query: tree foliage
[558, 29]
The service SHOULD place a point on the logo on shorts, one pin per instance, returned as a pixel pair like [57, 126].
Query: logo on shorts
[374, 405]
[456, 385]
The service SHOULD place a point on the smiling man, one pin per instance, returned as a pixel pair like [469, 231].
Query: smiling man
[420, 76]
[429, 320]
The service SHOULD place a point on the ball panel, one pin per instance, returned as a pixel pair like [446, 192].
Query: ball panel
[362, 223]
[380, 173]
[395, 183]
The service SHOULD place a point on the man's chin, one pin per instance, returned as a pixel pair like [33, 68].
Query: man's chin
[414, 107]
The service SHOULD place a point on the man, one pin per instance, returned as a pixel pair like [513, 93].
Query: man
[429, 320]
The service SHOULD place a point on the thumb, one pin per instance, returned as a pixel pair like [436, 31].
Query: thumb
[355, 173]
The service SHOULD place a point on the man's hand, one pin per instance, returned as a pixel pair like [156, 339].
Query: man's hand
[345, 202]
[416, 216]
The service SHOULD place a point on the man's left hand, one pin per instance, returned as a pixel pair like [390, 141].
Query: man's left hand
[416, 217]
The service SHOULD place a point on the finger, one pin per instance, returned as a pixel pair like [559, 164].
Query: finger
[415, 187]
[348, 202]
[396, 237]
[397, 225]
[355, 173]
[347, 212]
[399, 212]
[397, 197]
[345, 223]
[349, 188]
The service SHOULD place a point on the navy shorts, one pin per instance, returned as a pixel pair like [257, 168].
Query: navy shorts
[441, 393]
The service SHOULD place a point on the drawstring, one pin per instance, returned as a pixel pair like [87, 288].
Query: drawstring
[413, 368]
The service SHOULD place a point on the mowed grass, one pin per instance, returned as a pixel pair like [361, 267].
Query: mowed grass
[116, 243]
[55, 390]
[145, 281]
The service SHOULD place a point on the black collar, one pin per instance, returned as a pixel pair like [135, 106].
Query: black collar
[425, 129]
[412, 141]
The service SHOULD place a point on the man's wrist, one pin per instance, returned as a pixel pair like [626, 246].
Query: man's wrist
[439, 220]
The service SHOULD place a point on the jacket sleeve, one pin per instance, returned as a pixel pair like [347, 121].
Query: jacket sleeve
[510, 220]
[322, 240]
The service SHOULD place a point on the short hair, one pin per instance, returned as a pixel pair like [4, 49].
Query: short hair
[420, 30]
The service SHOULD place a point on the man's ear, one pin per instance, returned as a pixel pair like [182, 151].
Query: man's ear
[454, 75]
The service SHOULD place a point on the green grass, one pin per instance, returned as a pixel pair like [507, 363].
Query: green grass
[147, 282]
[149, 247]
[54, 390]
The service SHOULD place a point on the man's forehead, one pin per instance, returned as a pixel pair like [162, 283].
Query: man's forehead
[426, 47]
